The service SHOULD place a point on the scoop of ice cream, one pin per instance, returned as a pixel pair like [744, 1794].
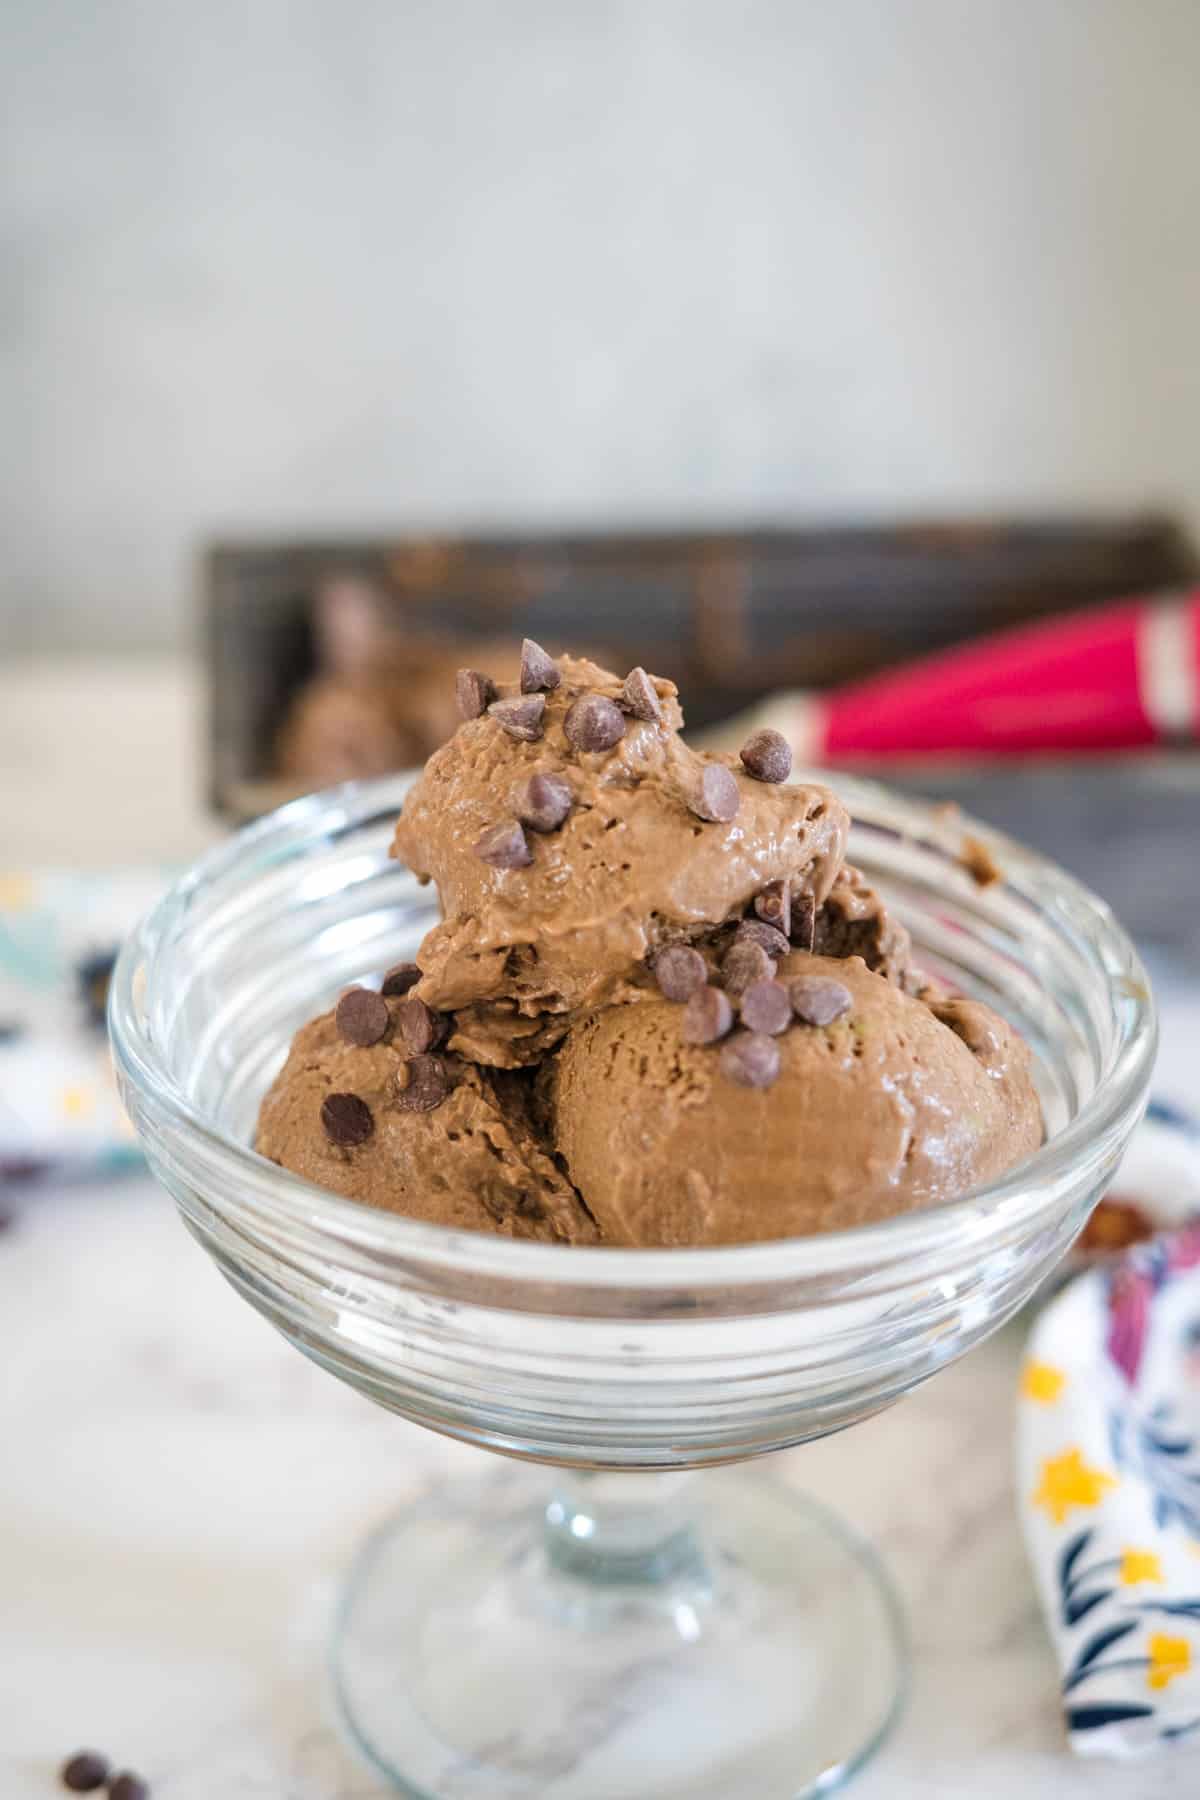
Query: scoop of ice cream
[353, 1116]
[890, 1106]
[659, 1009]
[571, 834]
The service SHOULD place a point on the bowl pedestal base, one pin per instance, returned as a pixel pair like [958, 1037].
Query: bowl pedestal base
[715, 1637]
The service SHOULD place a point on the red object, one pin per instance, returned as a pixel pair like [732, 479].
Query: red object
[1121, 677]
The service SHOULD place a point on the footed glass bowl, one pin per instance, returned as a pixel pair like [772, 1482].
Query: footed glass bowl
[615, 1630]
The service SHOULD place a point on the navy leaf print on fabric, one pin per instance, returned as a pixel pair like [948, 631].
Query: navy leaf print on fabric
[1089, 1718]
[1077, 1607]
[1178, 1731]
[1179, 1609]
[1071, 1555]
[1103, 1640]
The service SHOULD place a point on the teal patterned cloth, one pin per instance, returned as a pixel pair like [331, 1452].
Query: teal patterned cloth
[1108, 1467]
[59, 935]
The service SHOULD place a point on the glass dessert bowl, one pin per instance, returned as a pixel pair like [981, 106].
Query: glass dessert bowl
[617, 1628]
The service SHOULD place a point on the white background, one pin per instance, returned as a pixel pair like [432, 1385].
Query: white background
[312, 264]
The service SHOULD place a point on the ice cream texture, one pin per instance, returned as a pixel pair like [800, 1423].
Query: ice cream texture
[659, 1008]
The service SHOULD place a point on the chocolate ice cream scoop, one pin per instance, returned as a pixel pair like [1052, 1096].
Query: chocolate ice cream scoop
[885, 1109]
[426, 1135]
[660, 1009]
[659, 846]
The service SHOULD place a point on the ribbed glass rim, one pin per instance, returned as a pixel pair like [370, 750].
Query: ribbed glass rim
[1011, 1201]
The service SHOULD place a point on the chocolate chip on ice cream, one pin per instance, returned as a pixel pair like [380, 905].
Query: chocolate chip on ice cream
[715, 795]
[766, 1007]
[767, 756]
[639, 696]
[420, 1027]
[679, 972]
[473, 692]
[542, 802]
[399, 978]
[504, 846]
[362, 1016]
[539, 672]
[421, 1083]
[774, 906]
[521, 715]
[819, 999]
[745, 962]
[768, 937]
[594, 723]
[750, 1059]
[707, 1016]
[347, 1119]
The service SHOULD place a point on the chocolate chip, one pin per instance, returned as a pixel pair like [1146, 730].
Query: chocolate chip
[84, 1772]
[750, 1059]
[347, 1119]
[774, 905]
[756, 931]
[543, 802]
[399, 979]
[128, 1786]
[419, 1026]
[767, 756]
[504, 846]
[594, 723]
[707, 1016]
[715, 796]
[362, 1017]
[766, 1007]
[522, 717]
[538, 671]
[422, 1084]
[474, 692]
[744, 963]
[639, 696]
[804, 921]
[679, 972]
[819, 999]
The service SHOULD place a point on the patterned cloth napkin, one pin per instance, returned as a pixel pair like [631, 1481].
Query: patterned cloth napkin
[59, 935]
[1108, 1468]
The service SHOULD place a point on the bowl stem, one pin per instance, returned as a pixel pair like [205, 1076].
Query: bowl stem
[610, 1528]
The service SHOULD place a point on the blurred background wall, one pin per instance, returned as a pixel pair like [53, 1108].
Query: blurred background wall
[324, 265]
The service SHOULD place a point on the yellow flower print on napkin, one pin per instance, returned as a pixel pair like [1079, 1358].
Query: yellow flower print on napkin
[1042, 1382]
[1140, 1565]
[1067, 1481]
[1169, 1657]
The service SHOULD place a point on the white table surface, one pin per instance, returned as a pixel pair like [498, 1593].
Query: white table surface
[180, 1489]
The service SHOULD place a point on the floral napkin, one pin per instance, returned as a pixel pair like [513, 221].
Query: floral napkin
[59, 936]
[1108, 1466]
